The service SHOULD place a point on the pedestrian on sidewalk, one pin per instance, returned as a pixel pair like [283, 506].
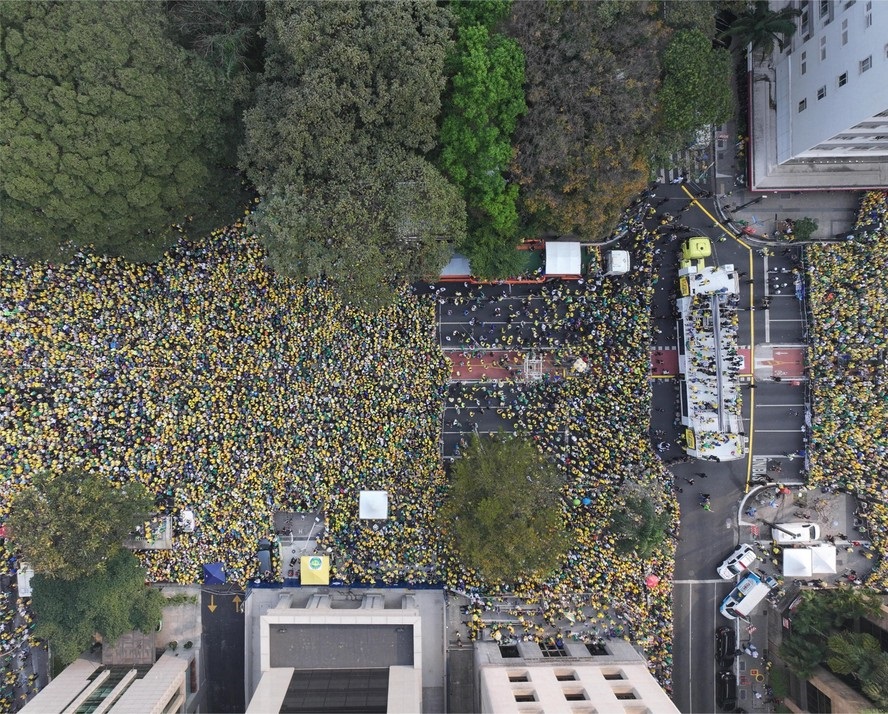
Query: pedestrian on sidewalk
[689, 480]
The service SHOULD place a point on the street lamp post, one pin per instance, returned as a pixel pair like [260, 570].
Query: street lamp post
[749, 203]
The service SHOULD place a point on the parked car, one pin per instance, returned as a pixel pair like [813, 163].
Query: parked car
[737, 562]
[725, 647]
[726, 691]
[795, 532]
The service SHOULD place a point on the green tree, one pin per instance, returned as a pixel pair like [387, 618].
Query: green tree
[804, 228]
[109, 603]
[109, 131]
[823, 611]
[761, 26]
[638, 526]
[225, 32]
[802, 655]
[485, 99]
[346, 107]
[696, 88]
[860, 655]
[582, 147]
[388, 225]
[504, 509]
[70, 524]
[480, 12]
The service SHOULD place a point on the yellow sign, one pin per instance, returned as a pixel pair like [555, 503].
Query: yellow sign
[684, 286]
[314, 570]
[691, 441]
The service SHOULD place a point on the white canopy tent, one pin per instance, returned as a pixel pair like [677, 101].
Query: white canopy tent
[564, 258]
[823, 558]
[797, 563]
[373, 505]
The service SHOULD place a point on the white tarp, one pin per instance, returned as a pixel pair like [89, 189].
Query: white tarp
[458, 267]
[797, 562]
[823, 558]
[617, 262]
[563, 258]
[373, 505]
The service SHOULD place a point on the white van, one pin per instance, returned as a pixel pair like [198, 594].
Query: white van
[737, 562]
[795, 532]
[746, 596]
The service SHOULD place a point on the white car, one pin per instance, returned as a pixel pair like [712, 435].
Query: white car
[738, 562]
[795, 532]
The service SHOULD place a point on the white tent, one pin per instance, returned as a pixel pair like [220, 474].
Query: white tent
[797, 562]
[823, 558]
[373, 505]
[563, 258]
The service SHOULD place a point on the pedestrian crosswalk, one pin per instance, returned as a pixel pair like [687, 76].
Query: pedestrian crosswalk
[690, 164]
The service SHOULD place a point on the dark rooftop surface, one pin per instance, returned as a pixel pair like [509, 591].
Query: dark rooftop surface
[341, 646]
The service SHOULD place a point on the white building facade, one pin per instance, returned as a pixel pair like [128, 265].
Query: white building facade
[832, 82]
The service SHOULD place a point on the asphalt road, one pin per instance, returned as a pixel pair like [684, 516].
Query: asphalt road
[223, 648]
[773, 415]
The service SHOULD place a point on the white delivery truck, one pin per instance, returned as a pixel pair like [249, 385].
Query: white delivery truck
[746, 596]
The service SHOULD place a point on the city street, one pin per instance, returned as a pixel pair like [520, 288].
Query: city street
[487, 338]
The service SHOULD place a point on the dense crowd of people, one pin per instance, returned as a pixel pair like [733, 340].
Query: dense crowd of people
[848, 359]
[235, 393]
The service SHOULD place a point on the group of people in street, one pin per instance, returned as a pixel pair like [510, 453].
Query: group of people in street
[848, 361]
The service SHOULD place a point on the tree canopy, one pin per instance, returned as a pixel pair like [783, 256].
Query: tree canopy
[347, 106]
[110, 131]
[638, 526]
[389, 224]
[70, 524]
[591, 86]
[761, 26]
[109, 602]
[696, 87]
[484, 100]
[504, 509]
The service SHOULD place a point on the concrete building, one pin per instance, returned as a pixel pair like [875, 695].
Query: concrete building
[161, 688]
[331, 650]
[529, 677]
[819, 107]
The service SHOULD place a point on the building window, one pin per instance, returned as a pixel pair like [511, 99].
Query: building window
[525, 696]
[868, 15]
[509, 651]
[518, 677]
[824, 8]
[613, 674]
[849, 3]
[550, 649]
[821, 93]
[567, 675]
[866, 64]
[803, 105]
[818, 702]
[625, 695]
[845, 32]
[823, 48]
[575, 695]
[843, 79]
[804, 62]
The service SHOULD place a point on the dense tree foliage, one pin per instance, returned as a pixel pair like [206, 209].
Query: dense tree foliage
[480, 12]
[483, 103]
[591, 88]
[696, 87]
[761, 27]
[638, 526]
[109, 130]
[109, 603]
[820, 635]
[388, 224]
[348, 90]
[225, 32]
[504, 509]
[69, 524]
